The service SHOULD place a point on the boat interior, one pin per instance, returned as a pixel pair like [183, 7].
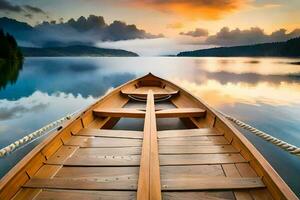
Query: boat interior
[147, 139]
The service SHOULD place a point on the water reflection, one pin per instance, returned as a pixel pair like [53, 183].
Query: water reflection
[218, 94]
[264, 66]
[65, 75]
[23, 115]
[9, 72]
[264, 92]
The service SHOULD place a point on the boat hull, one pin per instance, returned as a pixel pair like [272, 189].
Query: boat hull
[90, 157]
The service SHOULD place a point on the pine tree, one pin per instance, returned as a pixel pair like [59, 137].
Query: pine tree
[11, 59]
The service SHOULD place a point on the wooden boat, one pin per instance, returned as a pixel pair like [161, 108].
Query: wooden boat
[183, 150]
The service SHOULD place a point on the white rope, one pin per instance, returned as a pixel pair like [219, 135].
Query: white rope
[292, 149]
[13, 146]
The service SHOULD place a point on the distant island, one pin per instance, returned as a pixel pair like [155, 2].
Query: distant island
[290, 48]
[11, 59]
[75, 50]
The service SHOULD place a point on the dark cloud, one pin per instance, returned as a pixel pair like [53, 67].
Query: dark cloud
[26, 10]
[83, 31]
[227, 37]
[34, 9]
[119, 30]
[83, 24]
[7, 6]
[28, 16]
[198, 32]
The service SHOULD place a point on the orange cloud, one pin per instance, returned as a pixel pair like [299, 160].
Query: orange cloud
[193, 9]
[176, 25]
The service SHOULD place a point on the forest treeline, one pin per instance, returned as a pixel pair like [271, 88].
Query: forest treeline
[11, 59]
[290, 48]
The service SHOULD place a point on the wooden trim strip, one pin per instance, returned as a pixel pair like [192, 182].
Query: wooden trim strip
[149, 186]
[155, 185]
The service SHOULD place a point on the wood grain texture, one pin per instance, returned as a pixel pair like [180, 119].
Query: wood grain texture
[201, 195]
[48, 171]
[83, 141]
[155, 185]
[99, 160]
[206, 149]
[62, 154]
[211, 183]
[27, 194]
[149, 186]
[213, 140]
[85, 195]
[200, 159]
[187, 133]
[180, 113]
[110, 133]
[119, 112]
[245, 170]
[191, 171]
[81, 184]
[196, 138]
[98, 172]
[231, 171]
[109, 151]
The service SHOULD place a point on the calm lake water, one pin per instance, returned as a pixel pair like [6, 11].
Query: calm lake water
[264, 92]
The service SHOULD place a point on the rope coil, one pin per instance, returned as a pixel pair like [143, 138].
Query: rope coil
[12, 147]
[292, 149]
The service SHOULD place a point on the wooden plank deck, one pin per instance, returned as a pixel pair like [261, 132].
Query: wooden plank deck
[187, 133]
[88, 160]
[48, 194]
[110, 133]
[200, 149]
[221, 183]
[150, 165]
[81, 184]
[103, 142]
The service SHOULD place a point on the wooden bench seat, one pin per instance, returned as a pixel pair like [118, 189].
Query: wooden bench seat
[140, 113]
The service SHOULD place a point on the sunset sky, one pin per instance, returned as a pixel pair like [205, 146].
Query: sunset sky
[192, 23]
